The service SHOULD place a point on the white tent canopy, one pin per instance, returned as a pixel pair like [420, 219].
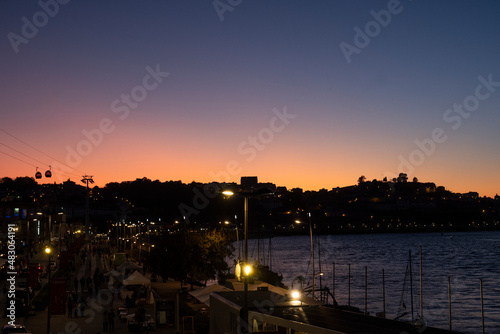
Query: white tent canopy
[137, 279]
[203, 294]
[128, 265]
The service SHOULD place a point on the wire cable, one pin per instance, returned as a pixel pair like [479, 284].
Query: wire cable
[28, 163]
[18, 159]
[13, 149]
[41, 162]
[34, 148]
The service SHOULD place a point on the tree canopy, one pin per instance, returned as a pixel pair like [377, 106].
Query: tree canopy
[199, 256]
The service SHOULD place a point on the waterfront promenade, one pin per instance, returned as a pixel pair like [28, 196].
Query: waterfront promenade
[106, 298]
[96, 302]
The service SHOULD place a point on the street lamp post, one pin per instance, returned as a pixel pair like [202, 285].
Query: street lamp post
[312, 253]
[48, 251]
[237, 235]
[247, 269]
[247, 272]
[149, 245]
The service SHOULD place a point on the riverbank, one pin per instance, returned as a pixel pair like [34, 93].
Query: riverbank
[465, 257]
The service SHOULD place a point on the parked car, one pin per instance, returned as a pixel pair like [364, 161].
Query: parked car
[14, 329]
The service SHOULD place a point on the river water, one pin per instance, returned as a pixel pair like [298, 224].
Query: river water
[466, 257]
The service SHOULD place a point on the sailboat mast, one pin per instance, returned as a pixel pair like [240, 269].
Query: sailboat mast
[312, 255]
[421, 296]
[411, 288]
[320, 272]
[258, 248]
[237, 237]
[270, 256]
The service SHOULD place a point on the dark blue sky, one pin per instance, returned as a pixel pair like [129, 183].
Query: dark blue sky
[362, 114]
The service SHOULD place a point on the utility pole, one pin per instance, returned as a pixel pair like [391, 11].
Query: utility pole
[87, 179]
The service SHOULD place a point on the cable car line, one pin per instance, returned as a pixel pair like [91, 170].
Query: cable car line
[13, 149]
[34, 148]
[37, 174]
[47, 173]
[18, 159]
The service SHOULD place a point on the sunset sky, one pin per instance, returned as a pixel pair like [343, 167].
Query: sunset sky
[299, 93]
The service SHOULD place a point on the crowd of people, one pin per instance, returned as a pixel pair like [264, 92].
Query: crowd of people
[87, 270]
[88, 277]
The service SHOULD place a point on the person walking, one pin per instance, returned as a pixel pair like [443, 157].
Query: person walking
[82, 308]
[128, 303]
[77, 309]
[105, 321]
[82, 283]
[70, 307]
[111, 321]
[89, 283]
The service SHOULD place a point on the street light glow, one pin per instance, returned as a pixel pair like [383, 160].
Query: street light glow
[228, 193]
[248, 270]
[295, 294]
[47, 250]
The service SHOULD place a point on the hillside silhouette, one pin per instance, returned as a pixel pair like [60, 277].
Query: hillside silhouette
[368, 206]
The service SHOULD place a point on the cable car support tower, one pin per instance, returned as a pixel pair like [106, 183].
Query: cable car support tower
[87, 179]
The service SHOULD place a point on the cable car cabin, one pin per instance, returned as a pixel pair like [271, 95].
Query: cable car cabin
[38, 175]
[48, 174]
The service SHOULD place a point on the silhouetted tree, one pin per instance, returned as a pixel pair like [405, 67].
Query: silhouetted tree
[402, 178]
[196, 256]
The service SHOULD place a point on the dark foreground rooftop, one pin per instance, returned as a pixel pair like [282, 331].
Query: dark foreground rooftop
[278, 310]
[350, 322]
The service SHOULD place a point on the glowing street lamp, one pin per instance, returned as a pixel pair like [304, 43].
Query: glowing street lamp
[247, 269]
[228, 193]
[245, 260]
[296, 301]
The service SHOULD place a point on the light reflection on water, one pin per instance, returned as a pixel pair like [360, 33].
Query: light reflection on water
[466, 257]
